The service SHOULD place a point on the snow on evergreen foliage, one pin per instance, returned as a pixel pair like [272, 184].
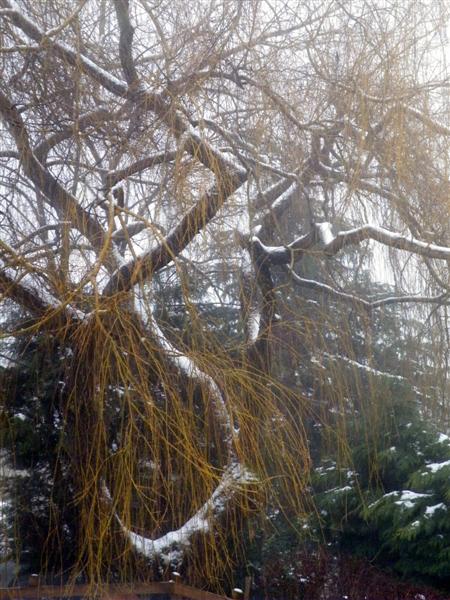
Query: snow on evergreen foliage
[392, 503]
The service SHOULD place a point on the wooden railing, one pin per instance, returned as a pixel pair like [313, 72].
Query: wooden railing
[174, 589]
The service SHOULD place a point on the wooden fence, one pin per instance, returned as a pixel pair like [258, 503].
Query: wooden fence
[172, 589]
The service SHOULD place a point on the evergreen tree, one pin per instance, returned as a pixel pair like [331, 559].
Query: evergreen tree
[390, 503]
[40, 500]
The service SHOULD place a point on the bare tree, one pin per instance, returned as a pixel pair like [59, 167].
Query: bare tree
[183, 139]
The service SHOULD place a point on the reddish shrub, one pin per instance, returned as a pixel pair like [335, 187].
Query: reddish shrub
[318, 575]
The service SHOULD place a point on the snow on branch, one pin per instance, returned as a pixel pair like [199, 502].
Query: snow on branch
[388, 238]
[362, 303]
[331, 244]
[55, 194]
[171, 545]
[329, 291]
[190, 369]
[33, 298]
[324, 233]
[29, 27]
[362, 367]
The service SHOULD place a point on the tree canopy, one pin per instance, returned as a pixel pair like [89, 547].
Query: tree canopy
[200, 204]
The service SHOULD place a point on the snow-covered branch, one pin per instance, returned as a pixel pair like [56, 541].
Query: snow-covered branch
[188, 367]
[177, 239]
[322, 239]
[361, 303]
[388, 238]
[170, 546]
[29, 27]
[55, 194]
[365, 368]
[34, 299]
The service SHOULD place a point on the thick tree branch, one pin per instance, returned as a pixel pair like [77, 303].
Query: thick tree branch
[126, 42]
[322, 239]
[233, 481]
[59, 198]
[179, 237]
[48, 311]
[188, 368]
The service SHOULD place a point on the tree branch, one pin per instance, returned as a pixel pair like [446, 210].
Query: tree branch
[60, 199]
[233, 480]
[126, 42]
[50, 312]
[361, 303]
[90, 119]
[388, 238]
[114, 177]
[179, 237]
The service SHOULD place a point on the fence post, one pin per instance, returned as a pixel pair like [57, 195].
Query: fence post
[237, 594]
[34, 580]
[175, 579]
[247, 587]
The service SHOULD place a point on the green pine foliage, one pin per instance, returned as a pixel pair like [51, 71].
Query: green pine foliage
[38, 491]
[391, 502]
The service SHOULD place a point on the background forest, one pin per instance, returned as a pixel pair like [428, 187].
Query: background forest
[224, 279]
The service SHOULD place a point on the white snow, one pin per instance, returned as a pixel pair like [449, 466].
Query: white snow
[408, 498]
[337, 490]
[253, 324]
[284, 197]
[435, 467]
[272, 251]
[365, 368]
[188, 367]
[113, 83]
[430, 510]
[325, 233]
[395, 239]
[171, 544]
